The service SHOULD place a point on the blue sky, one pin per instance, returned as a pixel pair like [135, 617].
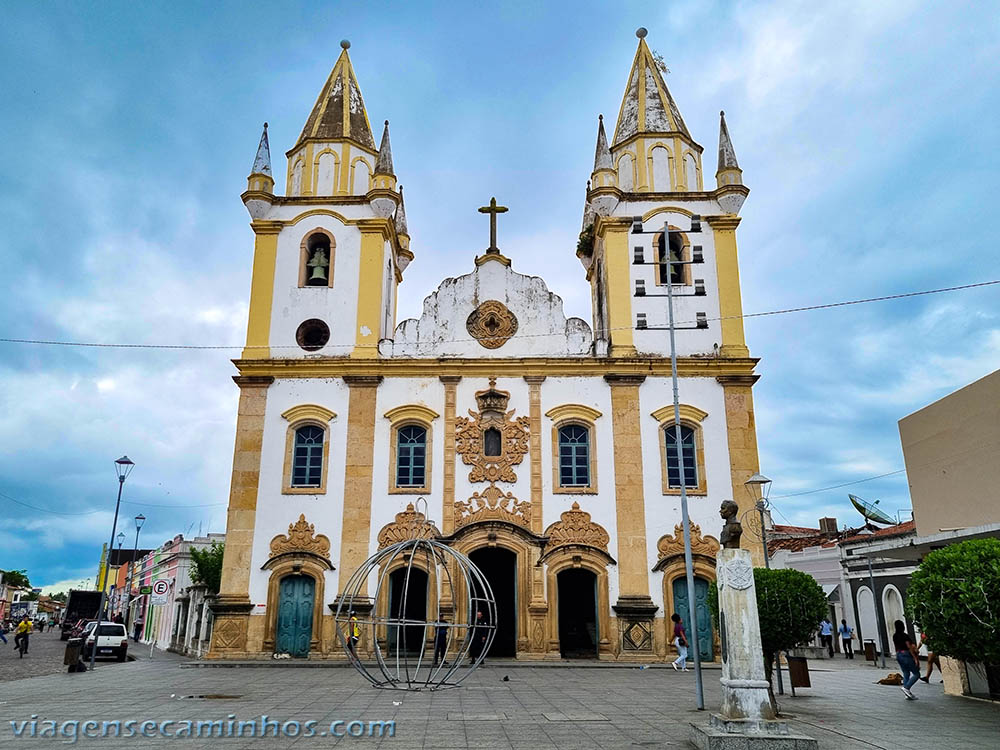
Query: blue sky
[867, 133]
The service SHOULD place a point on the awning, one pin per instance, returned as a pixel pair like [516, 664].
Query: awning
[832, 591]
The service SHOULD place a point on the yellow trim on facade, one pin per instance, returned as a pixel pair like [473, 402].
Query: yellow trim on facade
[573, 411]
[728, 273]
[487, 257]
[614, 235]
[308, 411]
[688, 412]
[354, 162]
[411, 412]
[741, 435]
[414, 416]
[450, 383]
[370, 289]
[344, 183]
[535, 448]
[265, 256]
[331, 367]
[336, 171]
[286, 473]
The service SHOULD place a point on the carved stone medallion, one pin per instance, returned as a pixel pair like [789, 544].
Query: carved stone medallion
[739, 574]
[491, 324]
[301, 537]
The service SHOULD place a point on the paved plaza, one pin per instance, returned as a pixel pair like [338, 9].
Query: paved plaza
[538, 707]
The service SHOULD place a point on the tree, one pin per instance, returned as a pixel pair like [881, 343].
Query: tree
[60, 597]
[206, 566]
[790, 606]
[955, 598]
[16, 578]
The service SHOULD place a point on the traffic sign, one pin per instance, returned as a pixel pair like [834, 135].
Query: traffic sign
[160, 589]
[145, 589]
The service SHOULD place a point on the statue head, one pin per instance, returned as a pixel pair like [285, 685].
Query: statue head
[728, 509]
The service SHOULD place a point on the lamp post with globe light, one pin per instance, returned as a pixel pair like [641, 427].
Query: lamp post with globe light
[123, 467]
[116, 596]
[139, 521]
[759, 488]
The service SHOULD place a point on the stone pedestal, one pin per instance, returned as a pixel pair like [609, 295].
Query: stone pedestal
[745, 720]
[635, 619]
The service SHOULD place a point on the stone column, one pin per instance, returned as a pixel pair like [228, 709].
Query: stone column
[535, 448]
[233, 606]
[635, 608]
[727, 269]
[448, 490]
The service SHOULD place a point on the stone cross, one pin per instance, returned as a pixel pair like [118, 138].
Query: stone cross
[493, 209]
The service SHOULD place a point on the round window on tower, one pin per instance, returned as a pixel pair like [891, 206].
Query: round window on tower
[312, 335]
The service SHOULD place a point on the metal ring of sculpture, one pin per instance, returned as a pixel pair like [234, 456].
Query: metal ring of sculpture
[405, 645]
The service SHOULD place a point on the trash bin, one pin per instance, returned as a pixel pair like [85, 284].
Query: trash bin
[72, 656]
[798, 671]
[870, 651]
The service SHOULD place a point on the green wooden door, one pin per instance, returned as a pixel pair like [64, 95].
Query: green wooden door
[704, 618]
[295, 612]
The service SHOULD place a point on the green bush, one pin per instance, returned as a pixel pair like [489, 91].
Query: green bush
[790, 606]
[206, 566]
[954, 596]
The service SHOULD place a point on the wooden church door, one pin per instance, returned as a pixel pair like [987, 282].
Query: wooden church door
[704, 618]
[295, 613]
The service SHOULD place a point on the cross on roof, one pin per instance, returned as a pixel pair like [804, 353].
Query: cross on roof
[493, 209]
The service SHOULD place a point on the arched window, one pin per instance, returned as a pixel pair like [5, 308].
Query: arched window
[675, 270]
[691, 172]
[316, 259]
[411, 456]
[688, 450]
[574, 456]
[307, 458]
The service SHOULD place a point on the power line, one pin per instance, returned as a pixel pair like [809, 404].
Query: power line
[838, 486]
[46, 510]
[785, 311]
[98, 510]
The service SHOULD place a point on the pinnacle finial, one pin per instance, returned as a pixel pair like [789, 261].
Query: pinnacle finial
[641, 32]
[345, 44]
[262, 161]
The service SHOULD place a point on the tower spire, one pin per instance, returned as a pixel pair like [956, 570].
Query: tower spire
[727, 154]
[262, 162]
[602, 155]
[384, 163]
[339, 112]
[647, 106]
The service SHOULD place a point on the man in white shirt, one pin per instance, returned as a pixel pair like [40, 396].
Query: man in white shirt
[826, 634]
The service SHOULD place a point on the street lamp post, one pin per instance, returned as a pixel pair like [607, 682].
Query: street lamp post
[668, 258]
[139, 521]
[759, 487]
[867, 532]
[123, 467]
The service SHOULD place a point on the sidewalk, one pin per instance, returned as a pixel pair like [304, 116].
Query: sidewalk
[538, 708]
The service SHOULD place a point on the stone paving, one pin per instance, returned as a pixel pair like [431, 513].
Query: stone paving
[45, 656]
[539, 707]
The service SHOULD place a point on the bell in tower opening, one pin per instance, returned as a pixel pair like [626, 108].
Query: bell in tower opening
[318, 263]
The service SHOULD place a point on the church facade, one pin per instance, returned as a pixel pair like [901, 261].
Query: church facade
[541, 446]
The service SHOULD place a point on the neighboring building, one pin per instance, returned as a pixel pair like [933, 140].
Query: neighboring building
[817, 552]
[170, 562]
[951, 449]
[542, 444]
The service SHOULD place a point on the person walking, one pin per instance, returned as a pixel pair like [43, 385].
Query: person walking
[355, 634]
[681, 644]
[3, 632]
[478, 644]
[906, 655]
[932, 659]
[137, 633]
[846, 639]
[826, 634]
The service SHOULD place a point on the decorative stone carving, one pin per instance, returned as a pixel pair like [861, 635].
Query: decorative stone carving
[470, 433]
[301, 537]
[493, 505]
[671, 546]
[737, 574]
[637, 636]
[491, 324]
[410, 524]
[575, 527]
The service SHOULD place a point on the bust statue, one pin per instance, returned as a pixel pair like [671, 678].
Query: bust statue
[732, 530]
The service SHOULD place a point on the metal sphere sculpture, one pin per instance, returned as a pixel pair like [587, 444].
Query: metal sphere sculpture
[417, 647]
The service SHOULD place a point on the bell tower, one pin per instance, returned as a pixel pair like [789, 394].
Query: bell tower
[647, 205]
[330, 253]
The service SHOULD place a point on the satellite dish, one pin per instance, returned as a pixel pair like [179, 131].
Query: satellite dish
[869, 511]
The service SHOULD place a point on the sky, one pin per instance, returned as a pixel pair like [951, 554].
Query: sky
[866, 132]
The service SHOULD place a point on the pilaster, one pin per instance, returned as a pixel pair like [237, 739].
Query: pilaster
[448, 490]
[232, 607]
[741, 436]
[371, 285]
[535, 448]
[614, 234]
[262, 288]
[728, 271]
[358, 468]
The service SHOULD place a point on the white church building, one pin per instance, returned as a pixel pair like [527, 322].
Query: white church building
[539, 442]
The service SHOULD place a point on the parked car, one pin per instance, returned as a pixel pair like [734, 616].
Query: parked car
[110, 640]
